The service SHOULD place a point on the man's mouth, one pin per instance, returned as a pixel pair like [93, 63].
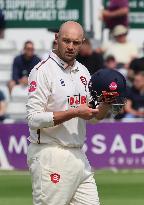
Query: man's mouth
[69, 53]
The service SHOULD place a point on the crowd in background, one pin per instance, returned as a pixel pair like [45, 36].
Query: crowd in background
[119, 53]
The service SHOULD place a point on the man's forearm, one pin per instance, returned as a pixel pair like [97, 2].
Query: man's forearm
[2, 108]
[119, 12]
[62, 116]
[82, 111]
[132, 111]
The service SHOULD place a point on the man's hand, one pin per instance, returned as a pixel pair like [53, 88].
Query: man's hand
[83, 111]
[106, 14]
[109, 97]
[24, 81]
[86, 113]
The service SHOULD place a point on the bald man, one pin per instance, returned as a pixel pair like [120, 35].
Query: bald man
[57, 111]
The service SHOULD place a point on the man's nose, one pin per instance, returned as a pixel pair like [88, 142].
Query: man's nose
[70, 46]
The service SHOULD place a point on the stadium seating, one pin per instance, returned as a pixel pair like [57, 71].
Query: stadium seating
[7, 46]
[19, 93]
[6, 59]
[16, 110]
[11, 46]
[4, 89]
[5, 67]
[5, 75]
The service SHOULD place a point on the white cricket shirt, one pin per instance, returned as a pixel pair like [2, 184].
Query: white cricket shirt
[53, 86]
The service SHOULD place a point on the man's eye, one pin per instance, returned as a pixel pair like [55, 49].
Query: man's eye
[76, 43]
[67, 41]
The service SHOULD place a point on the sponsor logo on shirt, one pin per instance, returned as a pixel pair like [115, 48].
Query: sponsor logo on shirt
[32, 86]
[76, 100]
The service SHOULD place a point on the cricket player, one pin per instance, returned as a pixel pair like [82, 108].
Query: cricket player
[57, 111]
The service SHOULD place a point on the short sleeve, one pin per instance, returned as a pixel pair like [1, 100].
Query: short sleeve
[123, 3]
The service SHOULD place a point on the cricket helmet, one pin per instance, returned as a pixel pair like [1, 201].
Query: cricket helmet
[107, 83]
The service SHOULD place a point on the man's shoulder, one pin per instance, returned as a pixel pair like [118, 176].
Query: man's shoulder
[18, 57]
[82, 68]
[37, 58]
[44, 67]
[43, 64]
[120, 4]
[132, 92]
[95, 55]
[80, 65]
[131, 45]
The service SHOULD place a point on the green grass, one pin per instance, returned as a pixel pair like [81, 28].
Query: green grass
[15, 188]
[114, 188]
[120, 188]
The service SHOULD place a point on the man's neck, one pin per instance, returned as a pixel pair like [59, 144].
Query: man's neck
[27, 58]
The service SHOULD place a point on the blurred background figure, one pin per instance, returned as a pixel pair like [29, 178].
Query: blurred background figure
[22, 66]
[53, 47]
[2, 24]
[121, 48]
[135, 104]
[110, 62]
[2, 106]
[135, 66]
[90, 58]
[115, 14]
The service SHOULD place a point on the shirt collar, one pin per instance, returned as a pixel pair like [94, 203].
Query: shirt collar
[62, 63]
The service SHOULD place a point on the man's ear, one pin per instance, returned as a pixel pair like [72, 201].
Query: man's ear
[56, 36]
[83, 40]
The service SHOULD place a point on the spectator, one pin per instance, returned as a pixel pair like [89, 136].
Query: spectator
[111, 63]
[2, 106]
[89, 58]
[22, 65]
[122, 49]
[135, 66]
[2, 24]
[46, 55]
[135, 103]
[116, 14]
